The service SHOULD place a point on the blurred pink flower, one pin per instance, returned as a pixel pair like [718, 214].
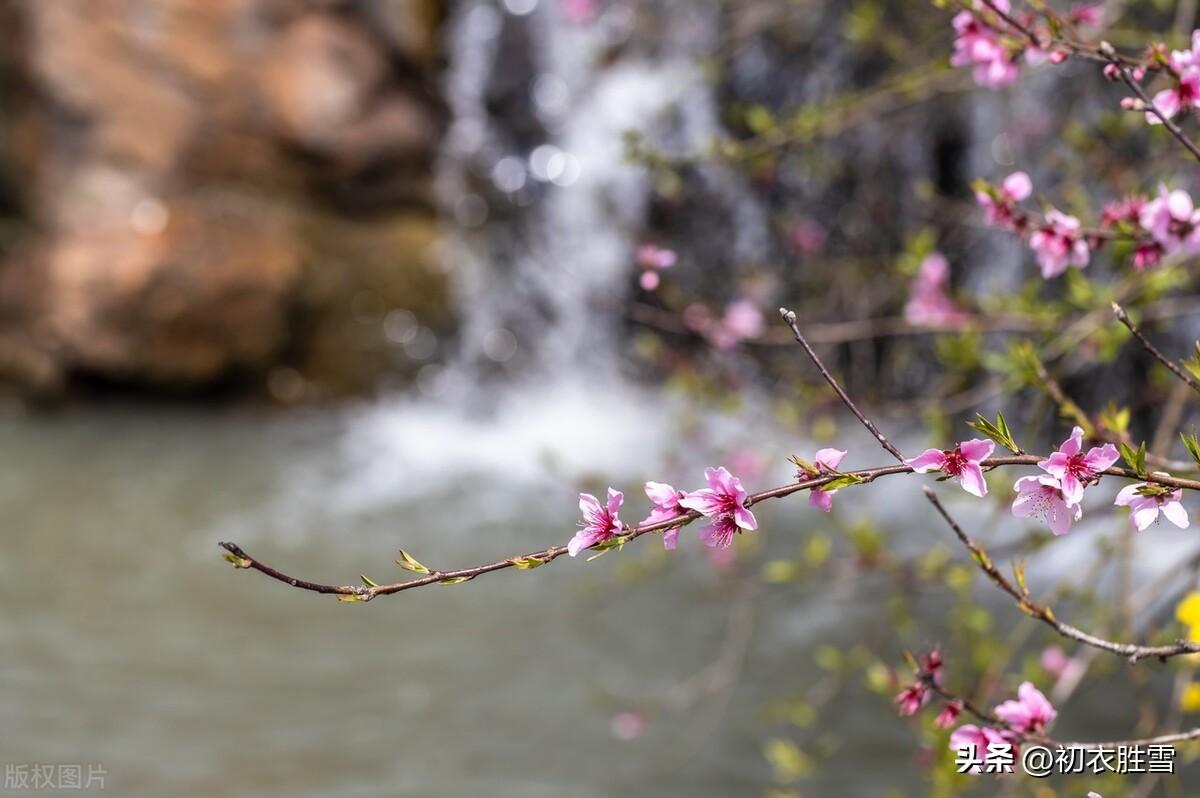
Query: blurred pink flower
[1055, 661]
[1042, 497]
[1173, 221]
[600, 522]
[928, 304]
[1145, 502]
[962, 462]
[723, 501]
[976, 740]
[627, 725]
[998, 209]
[911, 698]
[808, 236]
[949, 715]
[1074, 470]
[979, 46]
[1059, 244]
[652, 256]
[1030, 713]
[1090, 15]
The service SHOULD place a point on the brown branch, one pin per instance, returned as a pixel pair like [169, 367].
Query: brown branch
[1123, 317]
[1107, 51]
[1045, 614]
[790, 318]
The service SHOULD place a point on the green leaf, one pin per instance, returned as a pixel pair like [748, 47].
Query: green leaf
[1136, 460]
[998, 431]
[236, 561]
[349, 598]
[527, 563]
[409, 563]
[366, 580]
[1192, 444]
[844, 481]
[454, 580]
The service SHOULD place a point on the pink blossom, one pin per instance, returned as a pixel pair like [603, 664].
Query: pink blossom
[1173, 221]
[742, 319]
[1030, 713]
[980, 46]
[1146, 501]
[998, 207]
[932, 665]
[627, 725]
[1127, 209]
[649, 280]
[949, 715]
[808, 236]
[825, 462]
[928, 304]
[600, 522]
[1075, 470]
[1042, 497]
[1059, 244]
[652, 256]
[666, 506]
[1055, 661]
[1089, 15]
[911, 698]
[1147, 255]
[1180, 97]
[578, 12]
[977, 740]
[962, 462]
[724, 502]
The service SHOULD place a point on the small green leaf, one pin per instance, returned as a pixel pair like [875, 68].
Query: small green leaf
[366, 580]
[527, 563]
[454, 580]
[236, 561]
[1136, 460]
[1192, 443]
[409, 563]
[844, 481]
[349, 598]
[997, 431]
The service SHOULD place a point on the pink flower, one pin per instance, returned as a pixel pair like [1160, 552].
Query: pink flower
[741, 320]
[599, 522]
[1042, 497]
[1074, 470]
[666, 506]
[1031, 713]
[949, 715]
[1089, 15]
[1059, 244]
[826, 462]
[962, 462]
[1055, 661]
[932, 665]
[578, 12]
[998, 207]
[723, 501]
[1185, 69]
[1172, 221]
[649, 280]
[977, 740]
[1146, 501]
[1147, 255]
[978, 45]
[653, 258]
[911, 698]
[928, 304]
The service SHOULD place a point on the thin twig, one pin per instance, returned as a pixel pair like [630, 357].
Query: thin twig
[1123, 317]
[1045, 614]
[790, 318]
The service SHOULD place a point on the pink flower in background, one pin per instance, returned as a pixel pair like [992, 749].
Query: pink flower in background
[933, 665]
[1144, 508]
[1173, 221]
[627, 725]
[1055, 661]
[742, 320]
[1127, 209]
[600, 522]
[962, 462]
[928, 304]
[1059, 244]
[979, 46]
[912, 698]
[1090, 15]
[976, 740]
[949, 715]
[1042, 497]
[1075, 470]
[723, 501]
[826, 462]
[1147, 255]
[652, 259]
[578, 12]
[1184, 95]
[1030, 713]
[666, 506]
[807, 236]
[998, 210]
[747, 462]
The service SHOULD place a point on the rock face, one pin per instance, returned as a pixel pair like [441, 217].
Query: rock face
[172, 159]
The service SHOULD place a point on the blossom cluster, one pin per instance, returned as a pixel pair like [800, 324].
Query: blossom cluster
[1030, 713]
[1167, 225]
[986, 40]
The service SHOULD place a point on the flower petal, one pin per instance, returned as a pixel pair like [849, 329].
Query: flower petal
[977, 449]
[971, 479]
[928, 460]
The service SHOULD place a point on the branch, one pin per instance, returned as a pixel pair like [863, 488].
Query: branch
[241, 559]
[790, 318]
[1123, 317]
[1044, 614]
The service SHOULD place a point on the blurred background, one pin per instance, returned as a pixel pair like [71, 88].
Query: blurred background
[332, 277]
